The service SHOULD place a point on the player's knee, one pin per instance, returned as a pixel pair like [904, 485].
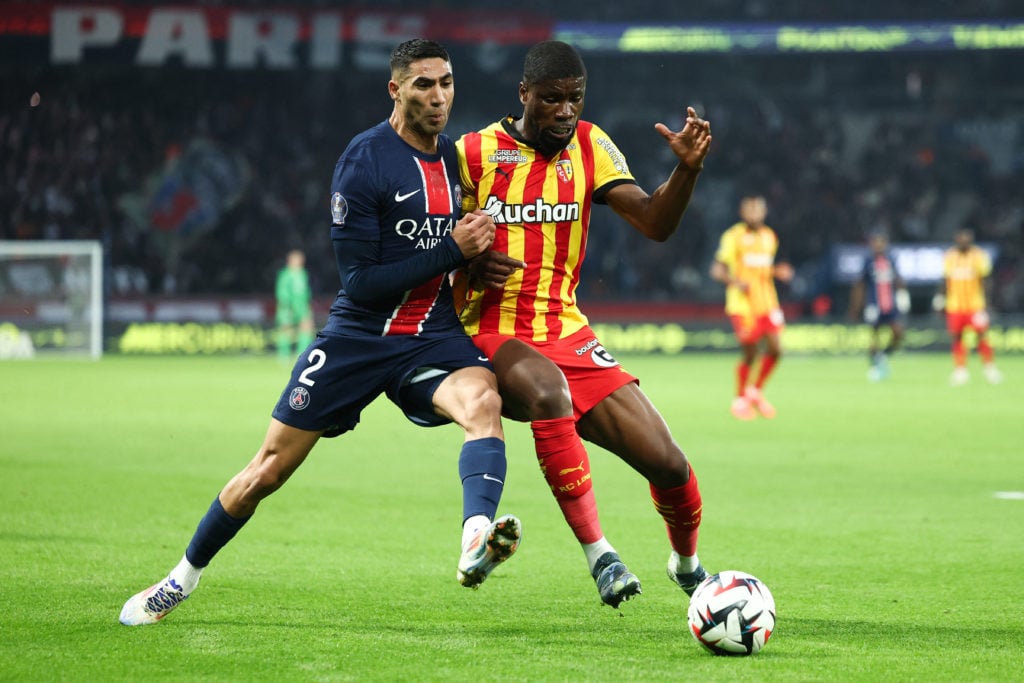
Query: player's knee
[670, 470]
[549, 400]
[537, 390]
[261, 479]
[483, 407]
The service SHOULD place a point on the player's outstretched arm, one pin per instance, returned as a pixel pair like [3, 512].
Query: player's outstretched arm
[658, 215]
[366, 279]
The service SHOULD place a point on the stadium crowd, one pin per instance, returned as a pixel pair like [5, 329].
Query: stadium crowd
[199, 181]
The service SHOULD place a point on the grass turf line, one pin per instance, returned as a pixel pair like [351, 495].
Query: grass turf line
[868, 509]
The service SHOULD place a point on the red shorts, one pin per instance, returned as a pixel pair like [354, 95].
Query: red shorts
[750, 329]
[592, 373]
[956, 323]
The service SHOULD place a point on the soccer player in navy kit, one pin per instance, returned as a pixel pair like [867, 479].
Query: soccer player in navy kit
[882, 295]
[397, 233]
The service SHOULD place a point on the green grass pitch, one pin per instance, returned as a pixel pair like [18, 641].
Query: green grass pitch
[870, 510]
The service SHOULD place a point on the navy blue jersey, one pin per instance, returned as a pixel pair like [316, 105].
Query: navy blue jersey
[393, 209]
[880, 276]
[406, 202]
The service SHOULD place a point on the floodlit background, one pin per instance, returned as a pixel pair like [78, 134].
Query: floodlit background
[196, 140]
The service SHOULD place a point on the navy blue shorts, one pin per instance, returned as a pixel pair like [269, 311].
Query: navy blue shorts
[889, 318]
[337, 376]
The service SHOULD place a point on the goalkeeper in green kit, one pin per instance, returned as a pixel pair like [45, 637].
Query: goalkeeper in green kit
[294, 317]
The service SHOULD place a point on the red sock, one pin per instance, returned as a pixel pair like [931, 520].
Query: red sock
[681, 509]
[767, 365]
[566, 467]
[959, 353]
[742, 375]
[985, 350]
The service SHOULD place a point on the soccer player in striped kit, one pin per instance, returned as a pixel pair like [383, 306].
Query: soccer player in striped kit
[539, 175]
[745, 264]
[397, 233]
[965, 268]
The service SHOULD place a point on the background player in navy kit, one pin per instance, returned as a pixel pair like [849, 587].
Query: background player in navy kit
[882, 296]
[396, 231]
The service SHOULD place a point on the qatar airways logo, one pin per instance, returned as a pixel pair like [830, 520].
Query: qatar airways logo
[538, 212]
[426, 233]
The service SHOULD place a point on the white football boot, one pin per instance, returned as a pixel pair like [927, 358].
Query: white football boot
[490, 547]
[152, 604]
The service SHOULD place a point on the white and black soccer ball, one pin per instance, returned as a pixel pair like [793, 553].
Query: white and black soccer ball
[732, 613]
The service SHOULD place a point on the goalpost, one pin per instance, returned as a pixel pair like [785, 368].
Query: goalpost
[51, 298]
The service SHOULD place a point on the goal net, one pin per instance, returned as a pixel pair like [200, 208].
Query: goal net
[51, 298]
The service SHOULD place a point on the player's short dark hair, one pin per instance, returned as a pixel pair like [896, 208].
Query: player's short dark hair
[552, 60]
[414, 50]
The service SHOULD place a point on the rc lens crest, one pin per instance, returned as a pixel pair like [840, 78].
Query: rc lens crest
[564, 170]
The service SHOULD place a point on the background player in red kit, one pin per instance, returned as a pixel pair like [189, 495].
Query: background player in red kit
[966, 267]
[745, 264]
[539, 175]
[396, 233]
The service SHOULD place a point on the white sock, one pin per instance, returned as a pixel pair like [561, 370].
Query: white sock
[684, 564]
[472, 526]
[186, 576]
[595, 550]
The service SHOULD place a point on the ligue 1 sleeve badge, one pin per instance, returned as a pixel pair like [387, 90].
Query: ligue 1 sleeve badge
[299, 398]
[339, 208]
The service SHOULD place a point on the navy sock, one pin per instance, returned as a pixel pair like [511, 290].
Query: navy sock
[482, 467]
[215, 529]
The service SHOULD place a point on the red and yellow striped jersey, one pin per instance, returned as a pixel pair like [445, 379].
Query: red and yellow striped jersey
[965, 272]
[541, 207]
[750, 257]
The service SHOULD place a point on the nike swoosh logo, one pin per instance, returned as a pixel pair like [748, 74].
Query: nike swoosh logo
[483, 358]
[399, 197]
[490, 478]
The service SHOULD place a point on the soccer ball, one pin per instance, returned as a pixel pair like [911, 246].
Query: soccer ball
[732, 613]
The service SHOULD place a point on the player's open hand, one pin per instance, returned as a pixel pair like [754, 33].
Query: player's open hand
[493, 268]
[474, 233]
[692, 143]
